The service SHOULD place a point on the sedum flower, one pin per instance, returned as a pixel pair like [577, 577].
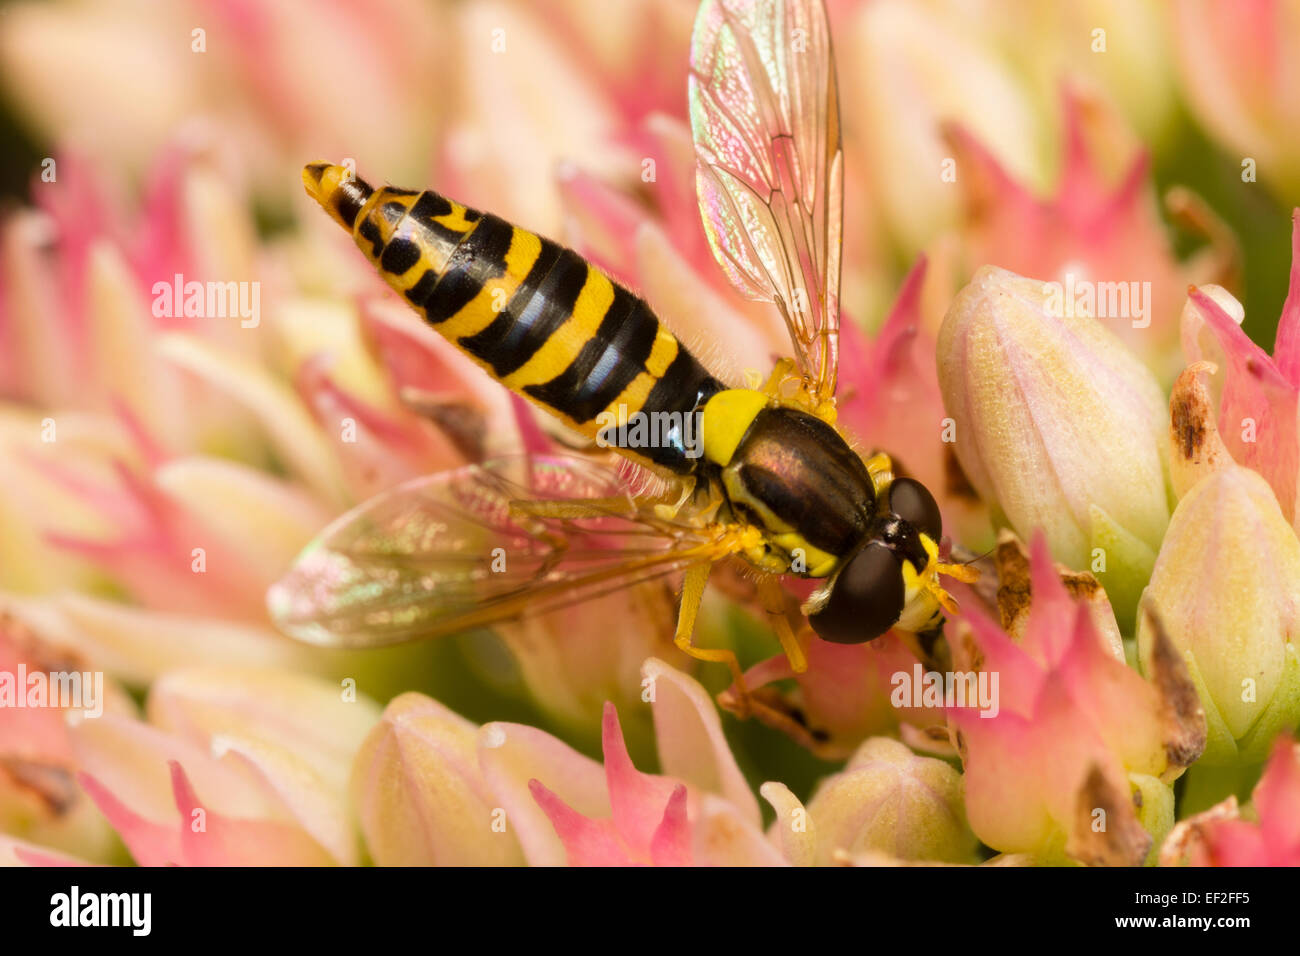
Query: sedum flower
[158, 484]
[1133, 68]
[1099, 228]
[39, 798]
[235, 767]
[1059, 425]
[1269, 836]
[1078, 760]
[1251, 399]
[419, 793]
[885, 800]
[269, 77]
[910, 67]
[621, 816]
[507, 792]
[1238, 75]
[1227, 589]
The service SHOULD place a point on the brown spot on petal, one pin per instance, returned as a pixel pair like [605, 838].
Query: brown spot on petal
[1106, 829]
[1182, 717]
[1188, 413]
[1014, 593]
[964, 651]
[52, 785]
[1081, 585]
[39, 653]
[463, 423]
[1195, 445]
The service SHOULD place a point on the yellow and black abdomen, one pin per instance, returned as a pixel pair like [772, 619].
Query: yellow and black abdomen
[537, 316]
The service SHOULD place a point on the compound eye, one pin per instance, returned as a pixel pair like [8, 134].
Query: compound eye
[866, 598]
[912, 501]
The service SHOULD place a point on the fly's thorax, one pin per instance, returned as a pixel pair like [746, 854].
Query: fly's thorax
[792, 475]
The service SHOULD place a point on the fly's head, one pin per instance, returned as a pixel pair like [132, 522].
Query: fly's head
[892, 579]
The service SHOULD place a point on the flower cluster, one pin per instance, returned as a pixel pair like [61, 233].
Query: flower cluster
[197, 374]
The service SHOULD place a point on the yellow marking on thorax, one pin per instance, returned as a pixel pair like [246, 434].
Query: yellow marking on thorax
[725, 420]
[779, 534]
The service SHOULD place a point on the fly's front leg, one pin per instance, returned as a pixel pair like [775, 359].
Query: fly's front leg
[692, 594]
[772, 597]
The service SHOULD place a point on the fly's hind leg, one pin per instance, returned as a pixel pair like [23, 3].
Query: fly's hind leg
[573, 509]
[692, 594]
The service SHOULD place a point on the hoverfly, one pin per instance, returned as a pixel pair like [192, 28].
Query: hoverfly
[775, 483]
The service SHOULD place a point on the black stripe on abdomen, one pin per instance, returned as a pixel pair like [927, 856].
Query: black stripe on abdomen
[542, 303]
[685, 385]
[478, 258]
[607, 362]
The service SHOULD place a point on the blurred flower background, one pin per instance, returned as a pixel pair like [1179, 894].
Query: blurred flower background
[1133, 472]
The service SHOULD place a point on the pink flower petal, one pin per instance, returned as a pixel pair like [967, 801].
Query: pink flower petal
[1277, 799]
[688, 732]
[1052, 614]
[151, 844]
[1286, 346]
[1253, 389]
[512, 755]
[209, 838]
[671, 844]
[587, 842]
[636, 799]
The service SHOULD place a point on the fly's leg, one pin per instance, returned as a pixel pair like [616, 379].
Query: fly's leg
[575, 509]
[692, 594]
[667, 512]
[773, 600]
[782, 372]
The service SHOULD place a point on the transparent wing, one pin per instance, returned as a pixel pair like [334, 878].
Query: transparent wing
[766, 122]
[452, 551]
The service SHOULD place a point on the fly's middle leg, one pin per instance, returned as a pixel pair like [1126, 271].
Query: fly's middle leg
[692, 594]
